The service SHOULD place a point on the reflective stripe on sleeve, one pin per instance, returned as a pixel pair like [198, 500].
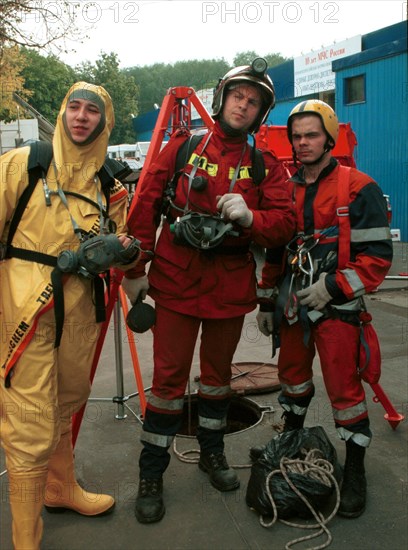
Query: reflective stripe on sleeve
[354, 281]
[370, 234]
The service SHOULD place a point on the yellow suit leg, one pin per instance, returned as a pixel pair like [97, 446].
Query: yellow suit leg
[75, 356]
[26, 493]
[63, 492]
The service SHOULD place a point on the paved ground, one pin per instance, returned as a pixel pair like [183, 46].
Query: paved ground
[198, 516]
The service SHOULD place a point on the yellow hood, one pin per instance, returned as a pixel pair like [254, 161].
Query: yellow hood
[77, 163]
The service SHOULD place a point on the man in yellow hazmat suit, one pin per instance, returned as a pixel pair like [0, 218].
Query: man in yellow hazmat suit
[44, 376]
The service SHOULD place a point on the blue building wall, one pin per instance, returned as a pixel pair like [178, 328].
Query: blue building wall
[380, 122]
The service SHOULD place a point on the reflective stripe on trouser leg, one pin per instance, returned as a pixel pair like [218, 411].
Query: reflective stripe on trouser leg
[296, 399]
[212, 423]
[174, 341]
[295, 369]
[343, 384]
[159, 428]
[219, 340]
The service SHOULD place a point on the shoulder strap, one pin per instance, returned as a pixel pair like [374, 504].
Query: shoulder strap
[188, 146]
[185, 151]
[343, 200]
[39, 161]
[258, 169]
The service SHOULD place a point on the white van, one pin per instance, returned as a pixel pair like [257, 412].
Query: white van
[133, 151]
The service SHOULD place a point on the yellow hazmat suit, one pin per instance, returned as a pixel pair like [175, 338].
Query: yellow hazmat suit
[41, 386]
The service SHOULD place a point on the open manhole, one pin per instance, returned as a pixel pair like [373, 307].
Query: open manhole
[243, 414]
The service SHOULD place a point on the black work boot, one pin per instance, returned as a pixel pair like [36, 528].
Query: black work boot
[149, 501]
[354, 487]
[291, 421]
[222, 477]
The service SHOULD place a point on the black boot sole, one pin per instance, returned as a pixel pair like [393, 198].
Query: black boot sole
[62, 510]
[219, 487]
[143, 519]
[354, 514]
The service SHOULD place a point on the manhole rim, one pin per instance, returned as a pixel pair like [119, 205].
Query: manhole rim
[261, 409]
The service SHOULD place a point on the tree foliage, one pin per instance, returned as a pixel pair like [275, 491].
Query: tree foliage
[48, 79]
[11, 80]
[37, 23]
[155, 80]
[44, 80]
[246, 58]
[122, 88]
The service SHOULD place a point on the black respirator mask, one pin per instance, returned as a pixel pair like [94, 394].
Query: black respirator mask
[97, 254]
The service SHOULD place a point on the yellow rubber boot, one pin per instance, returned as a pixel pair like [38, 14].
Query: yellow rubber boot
[62, 490]
[26, 493]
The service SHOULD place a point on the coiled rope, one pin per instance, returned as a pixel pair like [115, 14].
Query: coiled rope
[315, 467]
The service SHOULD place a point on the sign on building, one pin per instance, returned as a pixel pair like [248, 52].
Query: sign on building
[313, 71]
[206, 97]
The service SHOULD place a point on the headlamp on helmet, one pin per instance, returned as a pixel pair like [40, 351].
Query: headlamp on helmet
[254, 74]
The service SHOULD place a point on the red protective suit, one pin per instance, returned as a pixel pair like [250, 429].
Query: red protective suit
[213, 289]
[370, 258]
[210, 285]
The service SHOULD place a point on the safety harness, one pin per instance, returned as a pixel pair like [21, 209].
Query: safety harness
[302, 272]
[39, 160]
[199, 230]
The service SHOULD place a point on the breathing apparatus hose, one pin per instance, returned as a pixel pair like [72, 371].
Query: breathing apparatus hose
[201, 231]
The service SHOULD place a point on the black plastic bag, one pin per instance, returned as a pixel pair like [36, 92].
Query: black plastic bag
[293, 444]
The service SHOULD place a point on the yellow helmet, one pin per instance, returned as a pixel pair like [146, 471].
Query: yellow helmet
[320, 108]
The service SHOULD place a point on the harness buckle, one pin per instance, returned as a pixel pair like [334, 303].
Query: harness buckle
[342, 211]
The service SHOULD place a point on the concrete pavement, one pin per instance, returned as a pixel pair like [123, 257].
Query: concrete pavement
[197, 515]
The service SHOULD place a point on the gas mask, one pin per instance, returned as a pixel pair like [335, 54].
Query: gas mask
[97, 254]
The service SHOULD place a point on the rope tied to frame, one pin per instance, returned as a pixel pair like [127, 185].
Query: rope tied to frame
[317, 468]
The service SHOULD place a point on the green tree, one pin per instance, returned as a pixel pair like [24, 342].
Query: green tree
[122, 88]
[246, 58]
[48, 79]
[155, 80]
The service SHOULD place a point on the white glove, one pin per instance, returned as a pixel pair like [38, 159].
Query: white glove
[233, 207]
[315, 295]
[135, 288]
[265, 322]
